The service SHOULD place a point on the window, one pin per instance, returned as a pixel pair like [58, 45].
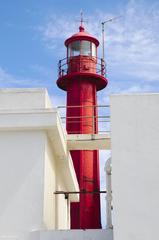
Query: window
[84, 48]
[93, 50]
[74, 49]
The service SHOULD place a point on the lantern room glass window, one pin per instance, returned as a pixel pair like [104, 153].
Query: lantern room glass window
[93, 50]
[74, 49]
[83, 48]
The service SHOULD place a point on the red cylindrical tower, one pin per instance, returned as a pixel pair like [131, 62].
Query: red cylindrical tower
[82, 74]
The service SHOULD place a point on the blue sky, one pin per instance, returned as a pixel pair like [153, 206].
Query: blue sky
[31, 43]
[33, 32]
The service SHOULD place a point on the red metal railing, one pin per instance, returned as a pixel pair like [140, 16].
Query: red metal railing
[99, 66]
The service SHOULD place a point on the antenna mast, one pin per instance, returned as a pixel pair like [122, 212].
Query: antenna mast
[103, 34]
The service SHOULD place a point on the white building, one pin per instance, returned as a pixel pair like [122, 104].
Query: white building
[135, 166]
[35, 163]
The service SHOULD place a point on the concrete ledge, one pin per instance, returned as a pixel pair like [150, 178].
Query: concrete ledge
[33, 118]
[96, 234]
[24, 98]
[88, 141]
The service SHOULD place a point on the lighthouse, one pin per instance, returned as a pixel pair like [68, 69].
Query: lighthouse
[81, 75]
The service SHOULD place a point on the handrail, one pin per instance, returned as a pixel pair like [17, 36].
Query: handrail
[88, 119]
[85, 106]
[64, 64]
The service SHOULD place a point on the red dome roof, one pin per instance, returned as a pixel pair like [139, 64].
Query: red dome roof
[81, 35]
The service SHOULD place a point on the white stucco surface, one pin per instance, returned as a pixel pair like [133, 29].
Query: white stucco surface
[34, 162]
[95, 234]
[21, 182]
[135, 166]
[24, 98]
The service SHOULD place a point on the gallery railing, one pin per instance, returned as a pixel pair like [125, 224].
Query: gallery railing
[98, 119]
[65, 66]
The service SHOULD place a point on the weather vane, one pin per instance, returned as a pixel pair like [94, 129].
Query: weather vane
[81, 17]
[82, 20]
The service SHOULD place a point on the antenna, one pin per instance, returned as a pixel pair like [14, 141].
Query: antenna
[103, 24]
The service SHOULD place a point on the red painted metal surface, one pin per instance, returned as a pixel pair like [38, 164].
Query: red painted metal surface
[82, 35]
[81, 81]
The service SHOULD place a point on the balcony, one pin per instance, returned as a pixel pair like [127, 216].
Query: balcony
[95, 138]
[81, 64]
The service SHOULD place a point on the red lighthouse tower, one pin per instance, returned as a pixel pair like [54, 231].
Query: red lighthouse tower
[82, 74]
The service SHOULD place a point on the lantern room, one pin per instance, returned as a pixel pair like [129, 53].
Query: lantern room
[82, 60]
[82, 44]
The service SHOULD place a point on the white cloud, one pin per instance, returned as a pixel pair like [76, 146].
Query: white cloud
[44, 71]
[6, 78]
[9, 80]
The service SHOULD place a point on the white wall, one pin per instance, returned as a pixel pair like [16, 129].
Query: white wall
[24, 98]
[62, 204]
[21, 182]
[28, 179]
[50, 179]
[135, 166]
[56, 207]
[32, 144]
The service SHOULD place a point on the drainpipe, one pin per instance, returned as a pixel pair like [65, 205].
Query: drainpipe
[109, 194]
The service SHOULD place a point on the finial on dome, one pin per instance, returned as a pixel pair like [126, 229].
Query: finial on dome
[81, 28]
